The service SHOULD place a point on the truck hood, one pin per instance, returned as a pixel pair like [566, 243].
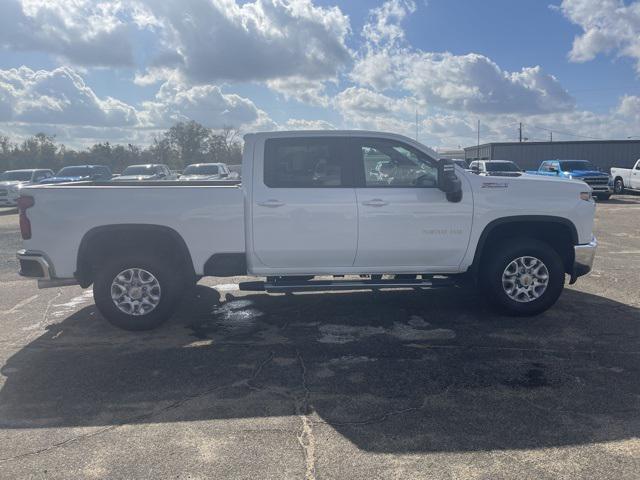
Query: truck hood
[587, 173]
[133, 178]
[12, 183]
[187, 178]
[63, 180]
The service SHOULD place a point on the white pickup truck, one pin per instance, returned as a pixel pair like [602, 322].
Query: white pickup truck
[312, 204]
[626, 178]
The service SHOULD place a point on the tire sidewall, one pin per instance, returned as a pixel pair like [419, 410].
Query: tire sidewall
[169, 286]
[506, 252]
[618, 186]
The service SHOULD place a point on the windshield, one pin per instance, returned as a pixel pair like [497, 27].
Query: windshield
[139, 170]
[74, 172]
[201, 170]
[502, 167]
[576, 165]
[15, 176]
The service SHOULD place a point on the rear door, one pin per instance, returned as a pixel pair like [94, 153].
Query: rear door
[304, 205]
[405, 222]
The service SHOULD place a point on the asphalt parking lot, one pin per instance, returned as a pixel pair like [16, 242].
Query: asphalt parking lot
[396, 384]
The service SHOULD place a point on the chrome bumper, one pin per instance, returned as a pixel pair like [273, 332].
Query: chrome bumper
[583, 259]
[36, 265]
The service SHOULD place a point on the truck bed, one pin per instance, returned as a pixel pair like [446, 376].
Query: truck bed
[209, 216]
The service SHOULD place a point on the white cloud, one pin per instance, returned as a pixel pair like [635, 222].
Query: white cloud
[310, 92]
[212, 40]
[301, 124]
[206, 104]
[85, 32]
[383, 28]
[609, 26]
[58, 96]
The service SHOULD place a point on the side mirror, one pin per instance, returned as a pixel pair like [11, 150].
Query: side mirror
[553, 170]
[448, 181]
[475, 169]
[224, 175]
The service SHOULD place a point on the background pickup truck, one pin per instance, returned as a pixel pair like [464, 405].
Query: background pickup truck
[626, 178]
[312, 204]
[583, 170]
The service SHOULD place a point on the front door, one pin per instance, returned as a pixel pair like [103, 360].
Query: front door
[405, 222]
[304, 205]
[635, 176]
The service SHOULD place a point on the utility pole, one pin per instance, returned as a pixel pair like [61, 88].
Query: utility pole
[551, 136]
[520, 132]
[478, 151]
[416, 124]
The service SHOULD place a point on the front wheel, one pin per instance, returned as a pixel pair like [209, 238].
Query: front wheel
[523, 277]
[618, 186]
[136, 292]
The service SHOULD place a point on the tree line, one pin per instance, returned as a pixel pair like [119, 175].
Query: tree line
[181, 145]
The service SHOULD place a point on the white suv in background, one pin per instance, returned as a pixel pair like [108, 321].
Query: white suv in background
[12, 181]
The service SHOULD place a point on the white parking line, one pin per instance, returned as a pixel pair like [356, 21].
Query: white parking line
[21, 304]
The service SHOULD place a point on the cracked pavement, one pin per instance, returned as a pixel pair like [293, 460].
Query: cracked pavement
[394, 384]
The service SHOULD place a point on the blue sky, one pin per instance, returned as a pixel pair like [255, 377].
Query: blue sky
[97, 70]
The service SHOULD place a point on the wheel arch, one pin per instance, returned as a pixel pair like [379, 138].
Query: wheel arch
[559, 232]
[103, 241]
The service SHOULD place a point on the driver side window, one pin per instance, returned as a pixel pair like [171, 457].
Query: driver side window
[393, 164]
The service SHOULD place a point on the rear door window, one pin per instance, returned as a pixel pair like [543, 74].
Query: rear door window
[314, 162]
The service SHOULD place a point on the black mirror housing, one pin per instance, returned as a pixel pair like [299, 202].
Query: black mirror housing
[448, 181]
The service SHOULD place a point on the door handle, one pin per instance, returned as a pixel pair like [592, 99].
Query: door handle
[271, 203]
[376, 202]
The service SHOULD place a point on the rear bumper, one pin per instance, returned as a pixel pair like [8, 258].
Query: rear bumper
[36, 265]
[583, 259]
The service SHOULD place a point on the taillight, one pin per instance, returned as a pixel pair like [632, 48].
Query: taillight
[24, 203]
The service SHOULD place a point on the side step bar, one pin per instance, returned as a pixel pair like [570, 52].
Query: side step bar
[284, 286]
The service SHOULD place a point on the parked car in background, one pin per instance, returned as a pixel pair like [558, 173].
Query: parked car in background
[146, 173]
[307, 207]
[80, 173]
[12, 181]
[461, 163]
[499, 168]
[599, 181]
[626, 178]
[205, 171]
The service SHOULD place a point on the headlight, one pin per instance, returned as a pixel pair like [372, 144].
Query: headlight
[586, 196]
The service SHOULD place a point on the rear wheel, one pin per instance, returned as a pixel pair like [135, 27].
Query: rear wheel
[522, 276]
[137, 292]
[618, 186]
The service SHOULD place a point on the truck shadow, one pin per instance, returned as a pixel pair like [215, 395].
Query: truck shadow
[391, 371]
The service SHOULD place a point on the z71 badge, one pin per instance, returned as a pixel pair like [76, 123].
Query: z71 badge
[495, 185]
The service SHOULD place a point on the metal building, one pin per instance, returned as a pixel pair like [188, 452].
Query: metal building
[528, 155]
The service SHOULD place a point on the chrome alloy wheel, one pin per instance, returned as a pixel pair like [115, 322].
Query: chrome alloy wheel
[525, 279]
[135, 291]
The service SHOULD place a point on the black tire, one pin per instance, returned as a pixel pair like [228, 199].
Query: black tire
[170, 282]
[603, 196]
[501, 256]
[618, 186]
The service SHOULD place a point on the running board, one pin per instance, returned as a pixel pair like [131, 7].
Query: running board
[283, 286]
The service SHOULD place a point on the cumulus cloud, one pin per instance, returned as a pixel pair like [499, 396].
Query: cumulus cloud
[302, 124]
[472, 82]
[206, 104]
[58, 96]
[212, 40]
[609, 26]
[83, 31]
[310, 92]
